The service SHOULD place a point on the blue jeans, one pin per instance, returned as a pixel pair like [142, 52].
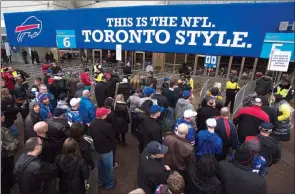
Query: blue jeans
[13, 129]
[170, 118]
[105, 169]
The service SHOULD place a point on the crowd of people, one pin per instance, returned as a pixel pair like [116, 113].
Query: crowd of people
[183, 148]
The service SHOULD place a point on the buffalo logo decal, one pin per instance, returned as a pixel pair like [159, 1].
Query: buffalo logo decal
[31, 27]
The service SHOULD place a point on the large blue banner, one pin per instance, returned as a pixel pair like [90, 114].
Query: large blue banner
[220, 29]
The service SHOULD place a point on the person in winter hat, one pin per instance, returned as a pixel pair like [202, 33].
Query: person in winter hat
[270, 147]
[259, 164]
[73, 114]
[184, 104]
[32, 118]
[46, 110]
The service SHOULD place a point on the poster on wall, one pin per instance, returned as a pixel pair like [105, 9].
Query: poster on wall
[209, 29]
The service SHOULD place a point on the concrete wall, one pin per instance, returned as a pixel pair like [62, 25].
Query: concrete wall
[92, 4]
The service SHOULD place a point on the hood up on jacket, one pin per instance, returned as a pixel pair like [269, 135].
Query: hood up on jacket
[31, 109]
[183, 102]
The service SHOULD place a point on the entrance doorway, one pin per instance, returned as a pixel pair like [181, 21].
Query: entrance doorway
[139, 60]
[97, 56]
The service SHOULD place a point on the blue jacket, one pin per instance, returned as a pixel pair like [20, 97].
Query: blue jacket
[208, 143]
[259, 165]
[45, 111]
[73, 116]
[191, 136]
[86, 110]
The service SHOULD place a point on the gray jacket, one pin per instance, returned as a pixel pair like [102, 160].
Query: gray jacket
[181, 106]
[133, 102]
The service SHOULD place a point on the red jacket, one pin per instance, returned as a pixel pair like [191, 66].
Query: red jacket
[9, 80]
[85, 79]
[45, 67]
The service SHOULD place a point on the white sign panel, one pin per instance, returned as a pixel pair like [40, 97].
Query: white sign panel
[279, 61]
[7, 48]
[118, 52]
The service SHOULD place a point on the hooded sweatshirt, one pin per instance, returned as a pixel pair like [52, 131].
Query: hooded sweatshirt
[80, 89]
[30, 121]
[263, 85]
[208, 143]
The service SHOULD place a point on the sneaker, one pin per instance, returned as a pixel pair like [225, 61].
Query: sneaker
[109, 189]
[116, 165]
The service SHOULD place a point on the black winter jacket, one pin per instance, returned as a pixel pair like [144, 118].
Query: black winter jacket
[10, 112]
[148, 130]
[205, 113]
[58, 131]
[34, 176]
[151, 173]
[161, 100]
[263, 86]
[30, 121]
[125, 89]
[101, 93]
[48, 150]
[103, 135]
[195, 183]
[273, 115]
[86, 152]
[20, 92]
[270, 149]
[72, 173]
[237, 178]
[122, 117]
[171, 96]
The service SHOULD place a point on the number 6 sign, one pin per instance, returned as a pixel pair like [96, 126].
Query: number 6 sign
[210, 61]
[65, 39]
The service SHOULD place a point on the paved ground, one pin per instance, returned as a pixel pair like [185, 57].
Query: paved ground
[280, 179]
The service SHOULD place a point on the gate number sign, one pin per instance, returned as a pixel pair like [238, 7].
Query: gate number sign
[65, 39]
[210, 61]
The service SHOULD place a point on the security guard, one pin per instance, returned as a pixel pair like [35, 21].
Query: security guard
[285, 90]
[98, 73]
[232, 88]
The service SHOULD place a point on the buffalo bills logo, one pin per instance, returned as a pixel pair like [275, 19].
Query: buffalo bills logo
[31, 27]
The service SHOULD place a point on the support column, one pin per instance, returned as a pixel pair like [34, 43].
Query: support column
[185, 58]
[229, 67]
[242, 67]
[217, 66]
[293, 77]
[159, 61]
[195, 64]
[254, 68]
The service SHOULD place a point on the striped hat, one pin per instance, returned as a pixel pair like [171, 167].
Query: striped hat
[42, 97]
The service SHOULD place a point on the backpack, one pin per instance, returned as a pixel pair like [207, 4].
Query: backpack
[9, 142]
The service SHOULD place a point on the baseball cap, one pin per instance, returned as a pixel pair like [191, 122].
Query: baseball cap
[166, 79]
[266, 126]
[252, 142]
[186, 93]
[155, 108]
[211, 122]
[58, 112]
[189, 113]
[125, 80]
[155, 147]
[100, 112]
[74, 101]
[148, 91]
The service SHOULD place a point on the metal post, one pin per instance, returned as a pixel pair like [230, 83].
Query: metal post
[205, 71]
[217, 66]
[242, 67]
[174, 62]
[293, 77]
[279, 76]
[125, 57]
[254, 68]
[229, 67]
[195, 64]
[185, 58]
[100, 56]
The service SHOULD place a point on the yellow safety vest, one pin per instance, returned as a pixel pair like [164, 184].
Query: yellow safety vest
[14, 74]
[282, 92]
[232, 85]
[99, 77]
[191, 83]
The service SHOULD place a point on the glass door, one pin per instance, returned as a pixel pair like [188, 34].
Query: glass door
[139, 60]
[97, 56]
